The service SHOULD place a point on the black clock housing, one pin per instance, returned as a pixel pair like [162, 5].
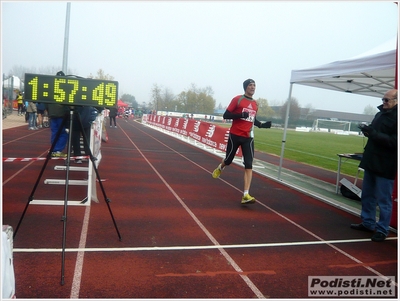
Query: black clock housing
[69, 90]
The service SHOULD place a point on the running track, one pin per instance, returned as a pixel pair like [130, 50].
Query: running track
[184, 234]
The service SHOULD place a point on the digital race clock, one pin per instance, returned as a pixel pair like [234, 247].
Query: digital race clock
[67, 90]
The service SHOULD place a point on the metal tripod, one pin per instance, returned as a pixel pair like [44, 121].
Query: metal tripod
[70, 118]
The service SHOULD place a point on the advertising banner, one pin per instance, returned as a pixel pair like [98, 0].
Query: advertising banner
[204, 132]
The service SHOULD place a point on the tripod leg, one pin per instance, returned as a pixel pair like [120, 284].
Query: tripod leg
[41, 173]
[107, 200]
[64, 217]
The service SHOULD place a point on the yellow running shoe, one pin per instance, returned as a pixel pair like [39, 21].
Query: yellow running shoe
[58, 155]
[217, 172]
[248, 199]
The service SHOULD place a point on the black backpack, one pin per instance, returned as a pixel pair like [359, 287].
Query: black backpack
[348, 193]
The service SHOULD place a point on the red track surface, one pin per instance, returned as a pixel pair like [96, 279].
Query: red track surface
[184, 234]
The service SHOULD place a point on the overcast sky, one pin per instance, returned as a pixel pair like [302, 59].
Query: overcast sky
[209, 43]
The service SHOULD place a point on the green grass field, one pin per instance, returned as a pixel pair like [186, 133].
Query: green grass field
[313, 148]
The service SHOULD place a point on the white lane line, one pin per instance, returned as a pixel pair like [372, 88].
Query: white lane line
[207, 247]
[351, 257]
[22, 169]
[292, 222]
[246, 279]
[282, 216]
[76, 282]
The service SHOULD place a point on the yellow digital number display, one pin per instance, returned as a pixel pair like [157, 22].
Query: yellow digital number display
[59, 93]
[70, 90]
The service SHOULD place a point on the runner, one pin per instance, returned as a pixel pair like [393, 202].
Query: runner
[242, 110]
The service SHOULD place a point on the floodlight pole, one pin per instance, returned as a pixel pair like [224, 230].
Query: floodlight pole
[66, 40]
[284, 131]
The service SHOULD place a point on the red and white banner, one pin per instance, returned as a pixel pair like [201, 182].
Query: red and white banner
[6, 160]
[207, 133]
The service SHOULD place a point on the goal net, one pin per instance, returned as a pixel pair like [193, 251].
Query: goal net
[327, 125]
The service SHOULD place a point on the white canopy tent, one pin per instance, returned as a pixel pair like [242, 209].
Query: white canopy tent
[11, 86]
[371, 73]
[13, 82]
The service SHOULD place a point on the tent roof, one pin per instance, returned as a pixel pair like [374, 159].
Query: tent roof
[17, 83]
[371, 73]
[121, 103]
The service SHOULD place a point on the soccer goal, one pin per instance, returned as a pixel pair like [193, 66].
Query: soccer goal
[328, 125]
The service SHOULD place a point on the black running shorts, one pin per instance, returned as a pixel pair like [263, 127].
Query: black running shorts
[247, 145]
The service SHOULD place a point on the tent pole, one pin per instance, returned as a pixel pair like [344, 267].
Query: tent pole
[284, 131]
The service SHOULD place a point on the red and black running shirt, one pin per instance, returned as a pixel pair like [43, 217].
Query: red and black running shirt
[243, 126]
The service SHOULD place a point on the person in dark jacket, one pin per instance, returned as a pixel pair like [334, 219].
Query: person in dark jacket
[84, 115]
[113, 115]
[41, 107]
[380, 168]
[57, 114]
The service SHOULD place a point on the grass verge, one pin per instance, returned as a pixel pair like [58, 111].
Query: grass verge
[313, 148]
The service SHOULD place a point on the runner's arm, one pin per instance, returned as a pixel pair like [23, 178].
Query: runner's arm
[229, 115]
[260, 124]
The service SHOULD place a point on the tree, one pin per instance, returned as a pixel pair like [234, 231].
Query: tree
[370, 110]
[201, 100]
[101, 75]
[220, 107]
[294, 110]
[194, 100]
[130, 100]
[156, 101]
[191, 97]
[308, 111]
[144, 107]
[20, 71]
[264, 110]
[168, 100]
[182, 102]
